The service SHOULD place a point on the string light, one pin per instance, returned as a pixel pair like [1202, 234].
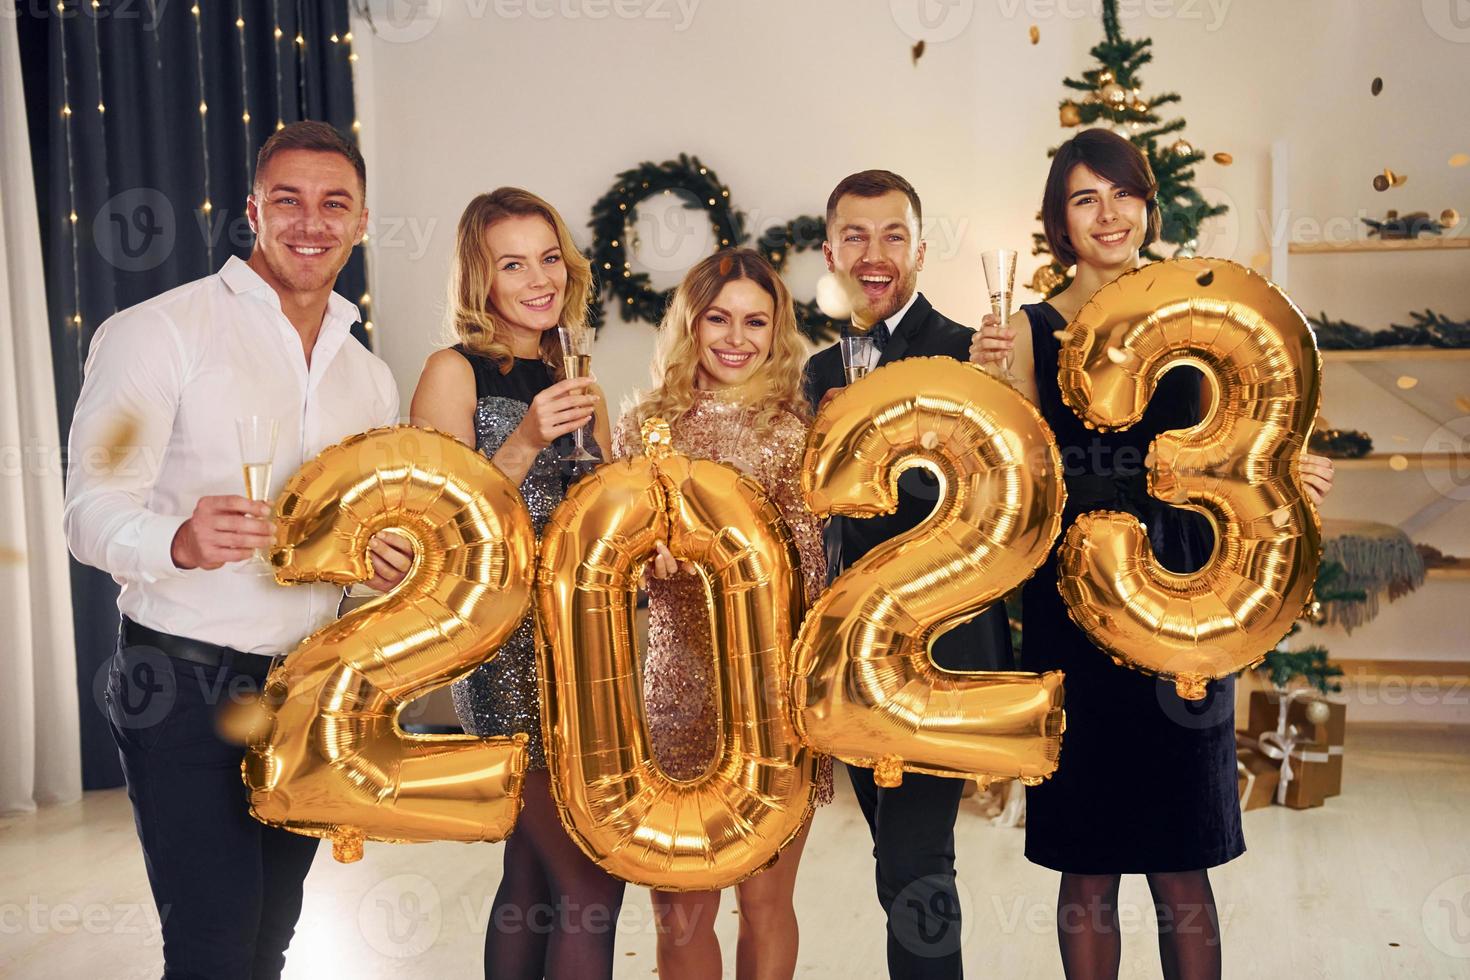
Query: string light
[206, 207]
[71, 180]
[244, 82]
[276, 57]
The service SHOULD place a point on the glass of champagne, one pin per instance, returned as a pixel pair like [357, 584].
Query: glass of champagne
[1000, 283]
[257, 435]
[576, 363]
[857, 355]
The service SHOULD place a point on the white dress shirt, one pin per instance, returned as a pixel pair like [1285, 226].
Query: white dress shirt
[154, 430]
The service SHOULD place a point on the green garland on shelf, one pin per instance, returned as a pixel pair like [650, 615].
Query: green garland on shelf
[1428, 329]
[616, 213]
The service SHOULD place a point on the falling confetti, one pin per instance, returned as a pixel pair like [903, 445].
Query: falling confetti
[1224, 159]
[1377, 86]
[1393, 178]
[1260, 261]
[1205, 278]
[1449, 217]
[1399, 438]
[1459, 159]
[1380, 183]
[1398, 462]
[1035, 34]
[12, 556]
[1463, 403]
[918, 51]
[1406, 381]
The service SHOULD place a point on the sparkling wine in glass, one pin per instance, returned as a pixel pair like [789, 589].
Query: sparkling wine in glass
[576, 363]
[257, 434]
[857, 355]
[1000, 283]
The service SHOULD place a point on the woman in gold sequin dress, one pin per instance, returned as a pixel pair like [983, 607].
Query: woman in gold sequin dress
[516, 277]
[728, 381]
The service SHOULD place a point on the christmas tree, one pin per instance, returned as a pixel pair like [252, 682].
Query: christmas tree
[1111, 95]
[1283, 666]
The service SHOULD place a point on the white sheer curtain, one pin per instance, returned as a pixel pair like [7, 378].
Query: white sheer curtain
[40, 755]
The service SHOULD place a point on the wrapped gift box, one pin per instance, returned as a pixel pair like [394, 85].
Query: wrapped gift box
[1311, 775]
[1259, 777]
[1264, 711]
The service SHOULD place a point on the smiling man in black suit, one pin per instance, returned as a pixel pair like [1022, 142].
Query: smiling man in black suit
[873, 239]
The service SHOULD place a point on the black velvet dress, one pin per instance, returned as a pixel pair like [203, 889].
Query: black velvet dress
[1146, 781]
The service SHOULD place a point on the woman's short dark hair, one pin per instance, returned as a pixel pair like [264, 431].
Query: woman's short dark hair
[1111, 157]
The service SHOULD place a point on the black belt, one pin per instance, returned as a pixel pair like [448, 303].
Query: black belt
[192, 651]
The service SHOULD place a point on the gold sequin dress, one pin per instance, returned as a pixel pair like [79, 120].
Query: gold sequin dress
[678, 689]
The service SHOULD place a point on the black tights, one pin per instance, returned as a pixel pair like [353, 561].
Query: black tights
[1189, 929]
[555, 913]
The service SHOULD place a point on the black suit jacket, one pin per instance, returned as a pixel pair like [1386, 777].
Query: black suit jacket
[983, 643]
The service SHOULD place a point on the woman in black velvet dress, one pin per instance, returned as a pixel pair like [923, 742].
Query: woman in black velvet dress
[1147, 781]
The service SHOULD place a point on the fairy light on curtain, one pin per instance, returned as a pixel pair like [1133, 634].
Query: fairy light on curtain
[276, 33]
[365, 301]
[244, 84]
[207, 207]
[71, 179]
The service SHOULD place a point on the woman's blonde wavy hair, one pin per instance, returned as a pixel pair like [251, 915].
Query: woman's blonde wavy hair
[776, 386]
[471, 318]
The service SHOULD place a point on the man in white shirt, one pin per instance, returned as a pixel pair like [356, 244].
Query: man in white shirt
[152, 498]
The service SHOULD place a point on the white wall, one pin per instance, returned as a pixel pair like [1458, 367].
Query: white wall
[784, 98]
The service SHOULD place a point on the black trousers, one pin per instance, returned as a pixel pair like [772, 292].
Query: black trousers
[228, 888]
[913, 844]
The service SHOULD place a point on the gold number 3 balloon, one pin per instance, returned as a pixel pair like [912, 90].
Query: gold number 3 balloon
[1239, 467]
[624, 812]
[865, 687]
[328, 758]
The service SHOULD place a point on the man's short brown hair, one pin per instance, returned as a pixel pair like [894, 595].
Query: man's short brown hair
[1112, 158]
[309, 134]
[873, 183]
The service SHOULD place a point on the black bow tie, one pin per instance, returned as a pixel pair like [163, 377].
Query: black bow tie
[879, 333]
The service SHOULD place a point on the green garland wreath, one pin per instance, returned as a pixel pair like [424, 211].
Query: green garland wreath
[699, 187]
[780, 243]
[616, 210]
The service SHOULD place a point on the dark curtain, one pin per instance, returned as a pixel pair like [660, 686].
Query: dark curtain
[141, 191]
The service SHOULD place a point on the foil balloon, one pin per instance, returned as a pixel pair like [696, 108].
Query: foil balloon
[327, 757]
[1238, 466]
[626, 814]
[865, 686]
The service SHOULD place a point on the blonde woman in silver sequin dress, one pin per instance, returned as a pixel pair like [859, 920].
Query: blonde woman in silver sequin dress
[516, 277]
[728, 381]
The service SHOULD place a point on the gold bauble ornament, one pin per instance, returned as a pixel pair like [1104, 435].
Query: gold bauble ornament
[1318, 712]
[1045, 279]
[1113, 92]
[1071, 115]
[1181, 148]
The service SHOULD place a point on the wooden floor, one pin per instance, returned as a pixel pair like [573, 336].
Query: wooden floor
[1375, 884]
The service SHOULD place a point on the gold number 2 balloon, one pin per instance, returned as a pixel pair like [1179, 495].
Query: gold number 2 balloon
[624, 812]
[328, 758]
[865, 687]
[1238, 466]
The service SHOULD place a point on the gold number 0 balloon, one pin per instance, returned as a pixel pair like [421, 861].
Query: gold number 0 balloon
[329, 759]
[865, 687]
[1239, 466]
[624, 812]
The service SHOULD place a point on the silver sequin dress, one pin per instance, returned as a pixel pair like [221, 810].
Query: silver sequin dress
[501, 697]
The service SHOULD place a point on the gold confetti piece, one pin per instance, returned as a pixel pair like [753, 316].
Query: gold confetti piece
[1060, 335]
[1377, 86]
[118, 441]
[1261, 261]
[1035, 34]
[12, 556]
[1407, 381]
[1397, 179]
[1398, 462]
[1205, 278]
[1463, 403]
[1117, 356]
[917, 51]
[1449, 217]
[1381, 183]
[1460, 159]
[1399, 438]
[1224, 159]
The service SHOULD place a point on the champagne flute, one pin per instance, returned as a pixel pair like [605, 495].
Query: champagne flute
[1000, 283]
[857, 355]
[576, 363]
[257, 434]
